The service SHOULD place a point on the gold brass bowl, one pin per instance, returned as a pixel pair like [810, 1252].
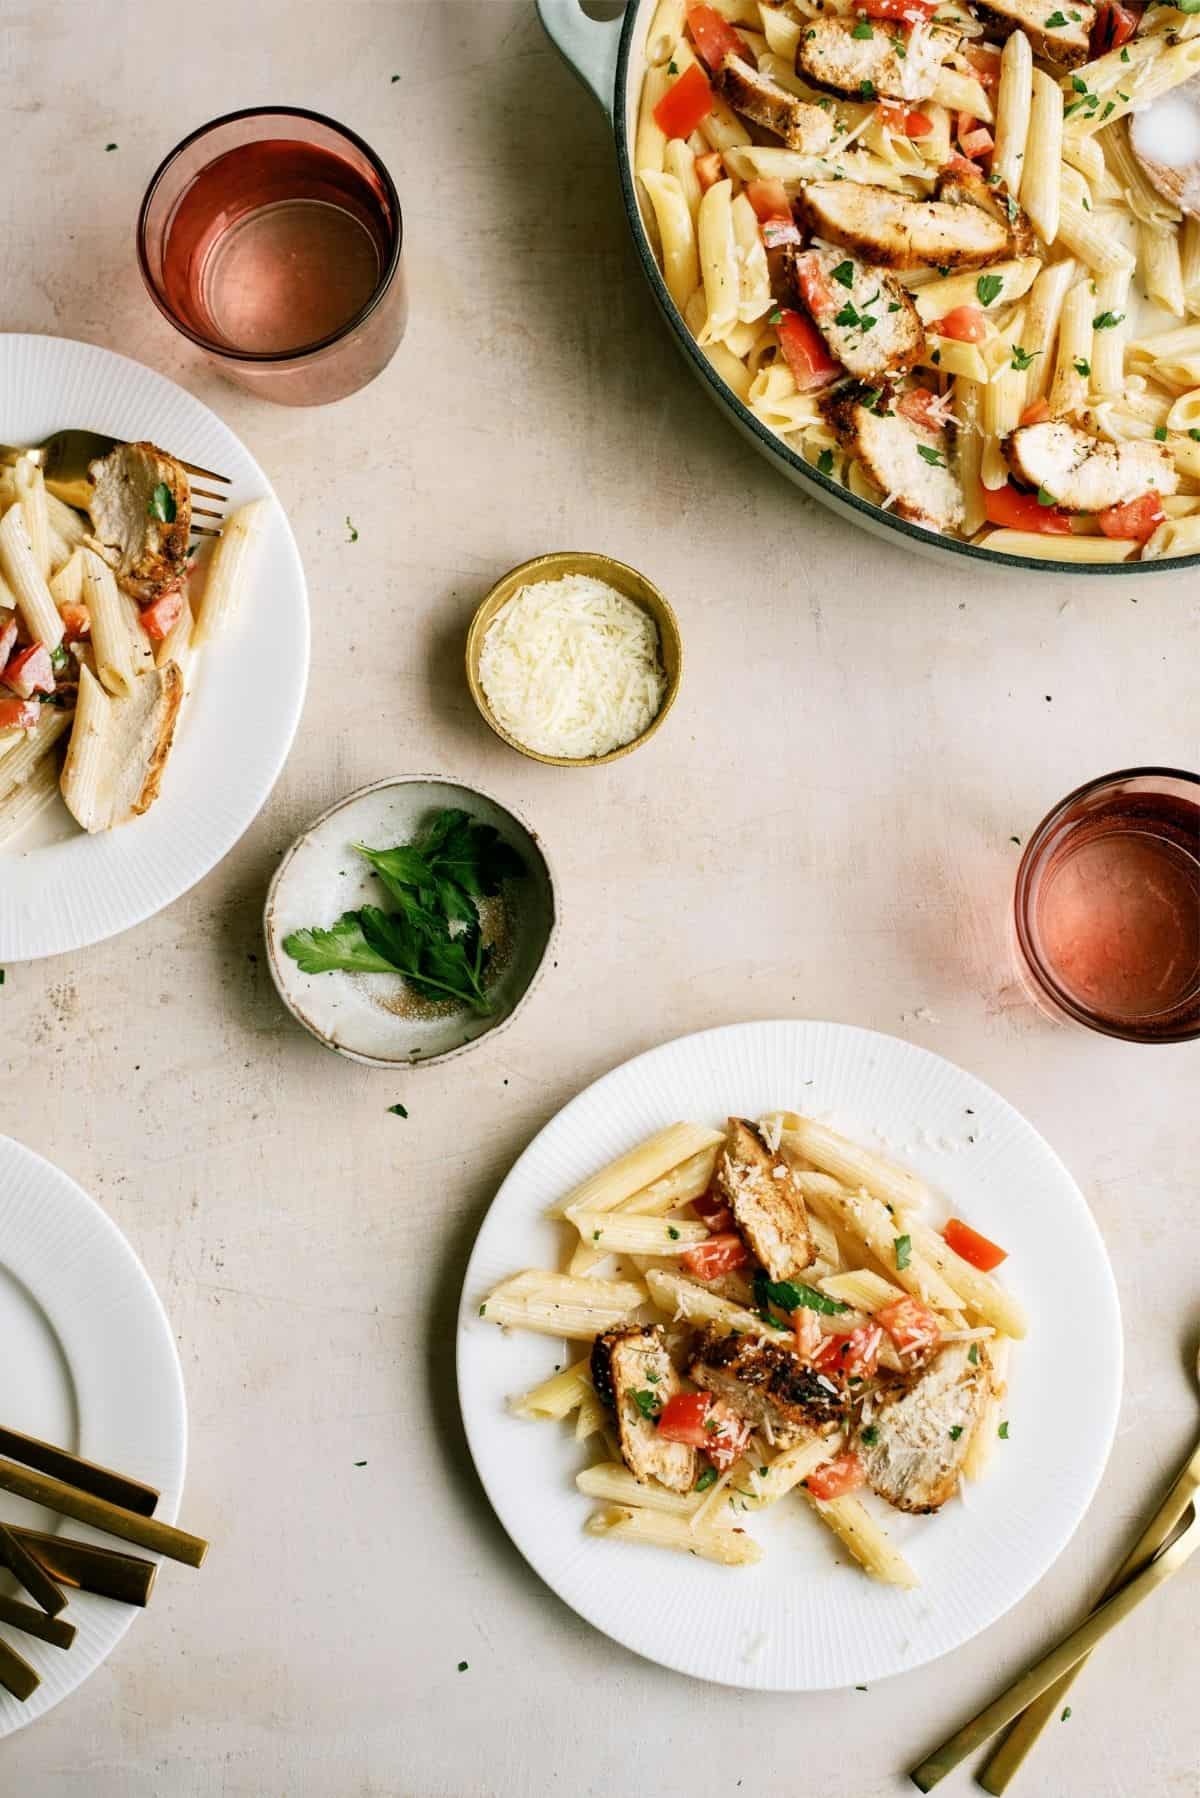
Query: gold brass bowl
[626, 580]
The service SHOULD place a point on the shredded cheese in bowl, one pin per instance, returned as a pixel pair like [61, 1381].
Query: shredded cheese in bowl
[571, 668]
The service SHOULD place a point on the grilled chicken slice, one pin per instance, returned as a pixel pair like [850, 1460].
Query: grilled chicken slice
[911, 463]
[1084, 473]
[1066, 45]
[834, 54]
[918, 1433]
[800, 124]
[865, 316]
[633, 1362]
[958, 188]
[141, 513]
[897, 231]
[768, 1207]
[768, 1386]
[119, 747]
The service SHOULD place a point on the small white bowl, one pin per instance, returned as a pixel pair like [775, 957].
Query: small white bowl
[371, 1017]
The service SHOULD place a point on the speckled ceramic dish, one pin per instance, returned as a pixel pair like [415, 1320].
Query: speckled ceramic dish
[376, 1018]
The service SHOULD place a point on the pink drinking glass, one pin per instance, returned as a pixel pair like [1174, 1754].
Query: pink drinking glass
[272, 239]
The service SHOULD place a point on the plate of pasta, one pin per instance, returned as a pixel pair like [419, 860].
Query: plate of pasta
[138, 734]
[779, 1398]
[920, 251]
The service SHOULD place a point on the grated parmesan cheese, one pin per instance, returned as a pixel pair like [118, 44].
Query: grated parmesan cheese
[571, 667]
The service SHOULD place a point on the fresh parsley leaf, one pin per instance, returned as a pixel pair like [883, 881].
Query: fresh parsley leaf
[1125, 54]
[398, 1111]
[973, 1354]
[673, 1233]
[343, 945]
[672, 68]
[776, 317]
[462, 1665]
[1045, 497]
[1110, 106]
[435, 964]
[707, 1478]
[162, 504]
[1066, 1714]
[825, 461]
[956, 1431]
[847, 316]
[1107, 320]
[647, 1404]
[1023, 358]
[110, 146]
[863, 29]
[1002, 1432]
[867, 90]
[903, 1247]
[869, 1435]
[1082, 367]
[351, 533]
[1160, 435]
[59, 658]
[935, 357]
[989, 287]
[1079, 84]
[792, 1295]
[452, 863]
[935, 459]
[894, 306]
[843, 274]
[871, 397]
[1054, 22]
[1194, 434]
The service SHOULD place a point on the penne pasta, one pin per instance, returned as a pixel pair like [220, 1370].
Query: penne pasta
[851, 1164]
[31, 495]
[556, 1397]
[858, 1531]
[638, 1168]
[1014, 100]
[968, 412]
[677, 234]
[1073, 358]
[558, 1305]
[21, 758]
[39, 614]
[21, 804]
[612, 1481]
[666, 29]
[1161, 265]
[986, 1433]
[623, 1233]
[1059, 549]
[729, 1547]
[1110, 330]
[231, 570]
[111, 641]
[66, 585]
[754, 277]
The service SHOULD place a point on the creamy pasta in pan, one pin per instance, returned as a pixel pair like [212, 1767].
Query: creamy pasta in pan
[929, 245]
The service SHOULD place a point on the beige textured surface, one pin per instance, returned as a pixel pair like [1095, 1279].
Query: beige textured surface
[823, 828]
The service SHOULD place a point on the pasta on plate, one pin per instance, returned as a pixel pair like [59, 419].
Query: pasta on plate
[767, 1310]
[915, 240]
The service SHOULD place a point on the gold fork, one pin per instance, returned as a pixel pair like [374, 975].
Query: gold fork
[64, 456]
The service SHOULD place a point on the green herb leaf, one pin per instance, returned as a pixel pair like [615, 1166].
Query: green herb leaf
[825, 461]
[110, 146]
[483, 1310]
[672, 68]
[956, 1431]
[398, 1111]
[867, 90]
[973, 1354]
[1194, 434]
[707, 1478]
[869, 1435]
[1045, 497]
[351, 533]
[1125, 54]
[1160, 434]
[843, 274]
[647, 1404]
[989, 287]
[863, 29]
[792, 1295]
[1002, 1432]
[342, 946]
[452, 863]
[59, 657]
[903, 1246]
[935, 459]
[462, 1665]
[1082, 367]
[1107, 321]
[673, 1233]
[1079, 84]
[1055, 21]
[1065, 1715]
[435, 964]
[162, 504]
[1023, 358]
[847, 316]
[776, 317]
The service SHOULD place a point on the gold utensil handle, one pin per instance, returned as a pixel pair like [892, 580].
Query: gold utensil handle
[996, 1773]
[89, 1476]
[88, 1568]
[144, 1532]
[28, 1572]
[1060, 1660]
[16, 1675]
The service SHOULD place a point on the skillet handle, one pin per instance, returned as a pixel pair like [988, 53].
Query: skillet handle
[588, 46]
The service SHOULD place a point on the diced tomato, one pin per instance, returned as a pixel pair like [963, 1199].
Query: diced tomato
[899, 121]
[917, 124]
[719, 1255]
[77, 622]
[709, 170]
[713, 36]
[805, 353]
[712, 1210]
[726, 1435]
[815, 289]
[909, 1324]
[769, 200]
[1016, 511]
[985, 65]
[162, 613]
[965, 324]
[852, 1357]
[972, 1246]
[19, 714]
[8, 636]
[1137, 518]
[30, 671]
[810, 1337]
[912, 11]
[974, 138]
[1114, 25]
[915, 406]
[960, 165]
[833, 1479]
[1036, 414]
[685, 103]
[683, 1416]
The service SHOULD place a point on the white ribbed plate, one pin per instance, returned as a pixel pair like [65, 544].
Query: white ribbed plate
[60, 889]
[803, 1619]
[88, 1361]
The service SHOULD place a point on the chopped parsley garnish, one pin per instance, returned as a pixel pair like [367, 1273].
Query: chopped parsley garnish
[956, 1431]
[893, 306]
[1055, 21]
[397, 1111]
[162, 504]
[1194, 435]
[776, 317]
[1012, 209]
[1079, 84]
[973, 1354]
[871, 397]
[825, 461]
[863, 29]
[1045, 498]
[867, 89]
[1002, 1432]
[483, 1310]
[843, 274]
[1065, 1715]
[1107, 321]
[935, 357]
[989, 288]
[673, 1233]
[707, 1478]
[58, 658]
[847, 316]
[1125, 54]
[1111, 106]
[869, 1435]
[351, 533]
[672, 68]
[792, 1295]
[903, 1244]
[462, 1666]
[650, 1375]
[1082, 367]
[1160, 435]
[595, 1235]
[935, 459]
[647, 1404]
[1023, 358]
[110, 146]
